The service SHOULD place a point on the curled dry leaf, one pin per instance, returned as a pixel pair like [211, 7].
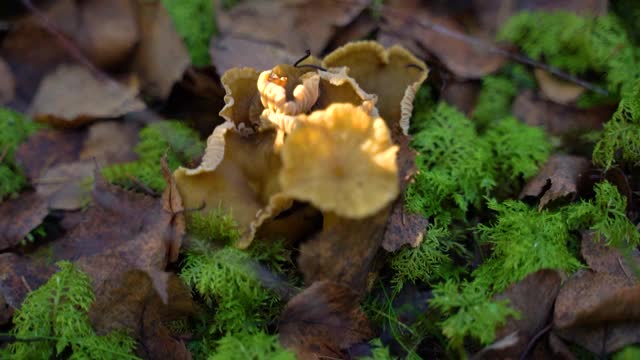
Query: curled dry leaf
[19, 276]
[558, 119]
[172, 204]
[559, 178]
[71, 96]
[394, 75]
[341, 160]
[161, 57]
[19, 216]
[557, 90]
[322, 321]
[606, 259]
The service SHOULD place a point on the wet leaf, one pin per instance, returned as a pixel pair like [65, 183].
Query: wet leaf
[605, 259]
[48, 148]
[322, 321]
[558, 179]
[19, 216]
[72, 96]
[19, 276]
[7, 83]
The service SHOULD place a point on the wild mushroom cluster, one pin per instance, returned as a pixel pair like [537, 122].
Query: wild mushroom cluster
[323, 133]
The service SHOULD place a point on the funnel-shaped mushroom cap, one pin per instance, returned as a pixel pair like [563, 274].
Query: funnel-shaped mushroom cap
[242, 100]
[393, 74]
[288, 90]
[238, 174]
[341, 160]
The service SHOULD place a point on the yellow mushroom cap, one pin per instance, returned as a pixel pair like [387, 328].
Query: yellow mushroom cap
[341, 160]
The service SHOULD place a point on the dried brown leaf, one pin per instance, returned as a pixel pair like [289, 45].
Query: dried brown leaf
[557, 90]
[322, 321]
[559, 178]
[161, 57]
[605, 259]
[19, 216]
[462, 95]
[66, 186]
[172, 204]
[110, 142]
[558, 119]
[19, 276]
[344, 251]
[48, 148]
[109, 31]
[71, 96]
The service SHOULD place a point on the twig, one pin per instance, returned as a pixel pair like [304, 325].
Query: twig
[142, 186]
[534, 340]
[497, 50]
[68, 45]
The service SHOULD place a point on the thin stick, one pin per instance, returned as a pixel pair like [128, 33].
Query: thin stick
[497, 50]
[142, 186]
[534, 340]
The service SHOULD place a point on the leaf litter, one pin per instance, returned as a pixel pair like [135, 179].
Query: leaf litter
[96, 74]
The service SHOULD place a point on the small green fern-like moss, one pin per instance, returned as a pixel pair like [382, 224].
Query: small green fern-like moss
[628, 353]
[606, 215]
[524, 240]
[181, 144]
[518, 149]
[379, 351]
[195, 22]
[620, 138]
[471, 312]
[455, 170]
[215, 226]
[254, 346]
[14, 129]
[428, 262]
[58, 311]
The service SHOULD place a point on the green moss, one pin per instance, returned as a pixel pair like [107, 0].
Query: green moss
[494, 99]
[606, 215]
[471, 312]
[214, 226]
[628, 353]
[194, 20]
[14, 129]
[181, 144]
[379, 351]
[524, 240]
[252, 346]
[518, 150]
[57, 312]
[620, 138]
[427, 263]
[453, 162]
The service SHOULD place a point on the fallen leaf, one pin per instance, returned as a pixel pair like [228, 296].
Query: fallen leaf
[66, 186]
[132, 302]
[344, 251]
[403, 228]
[606, 259]
[72, 96]
[558, 119]
[558, 178]
[48, 148]
[461, 94]
[229, 51]
[19, 216]
[441, 35]
[322, 321]
[7, 83]
[19, 276]
[161, 57]
[534, 297]
[109, 31]
[605, 339]
[110, 142]
[557, 90]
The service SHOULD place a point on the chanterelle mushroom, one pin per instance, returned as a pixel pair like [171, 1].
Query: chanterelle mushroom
[341, 160]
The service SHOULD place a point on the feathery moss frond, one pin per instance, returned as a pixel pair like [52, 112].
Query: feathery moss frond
[524, 240]
[471, 312]
[252, 346]
[195, 22]
[181, 143]
[14, 129]
[215, 226]
[58, 311]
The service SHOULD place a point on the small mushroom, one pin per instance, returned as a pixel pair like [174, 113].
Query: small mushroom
[341, 160]
[394, 75]
[242, 100]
